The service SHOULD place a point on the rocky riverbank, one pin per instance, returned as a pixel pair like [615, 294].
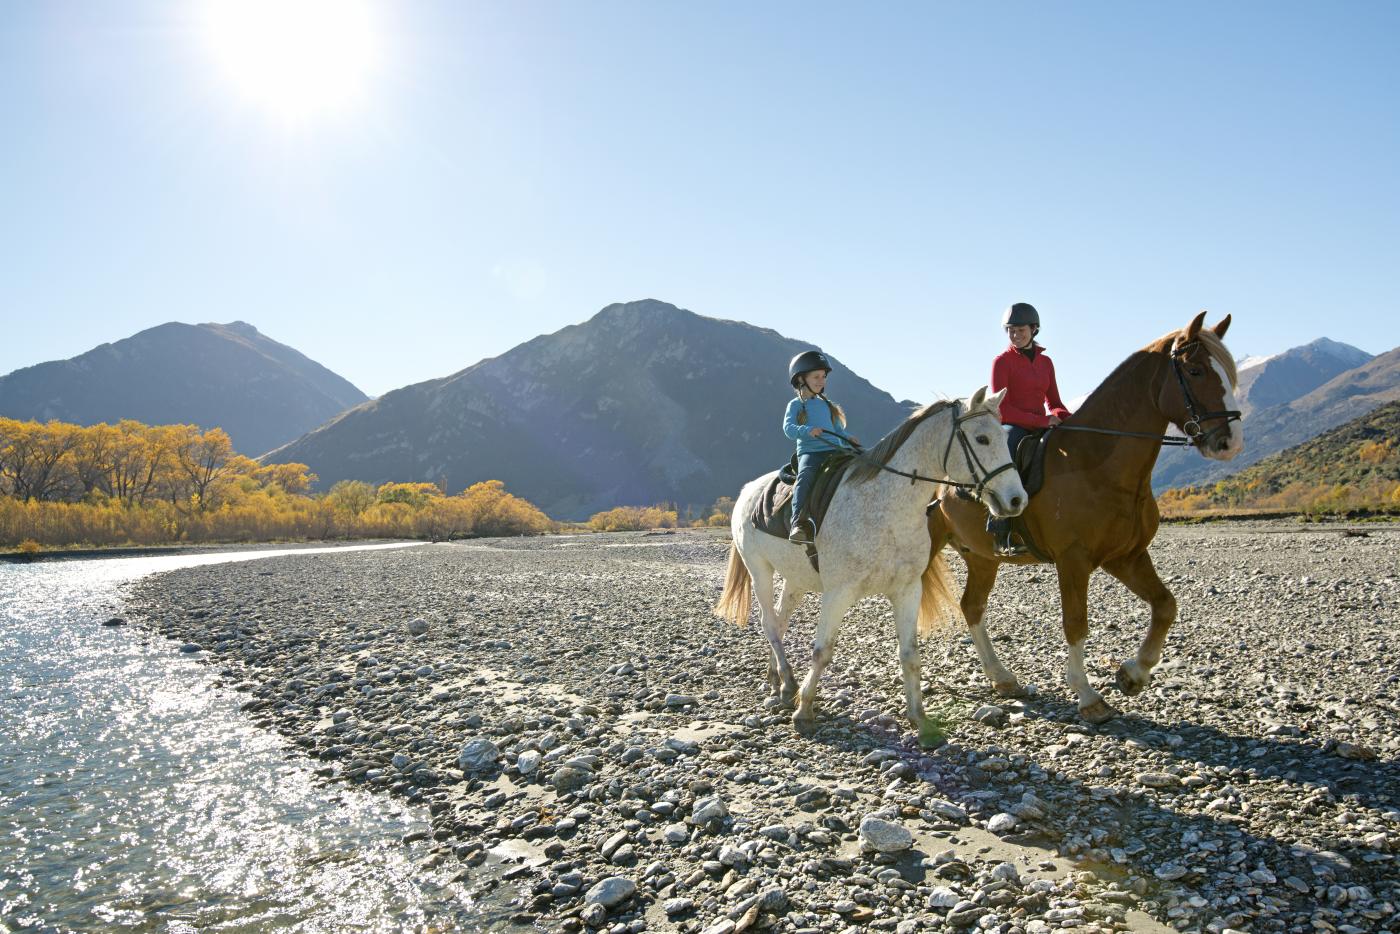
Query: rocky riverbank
[594, 745]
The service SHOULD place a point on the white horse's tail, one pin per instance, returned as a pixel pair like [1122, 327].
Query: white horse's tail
[734, 602]
[938, 608]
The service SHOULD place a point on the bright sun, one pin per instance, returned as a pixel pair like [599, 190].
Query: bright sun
[294, 58]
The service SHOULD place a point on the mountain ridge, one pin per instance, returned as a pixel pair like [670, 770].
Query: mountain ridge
[643, 402]
[229, 376]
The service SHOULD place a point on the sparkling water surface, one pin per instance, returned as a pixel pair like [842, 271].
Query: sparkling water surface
[134, 796]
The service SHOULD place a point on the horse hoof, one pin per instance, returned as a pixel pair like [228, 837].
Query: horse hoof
[931, 734]
[1128, 684]
[804, 725]
[1098, 712]
[1010, 689]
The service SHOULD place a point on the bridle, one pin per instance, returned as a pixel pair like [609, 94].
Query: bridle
[981, 475]
[1192, 429]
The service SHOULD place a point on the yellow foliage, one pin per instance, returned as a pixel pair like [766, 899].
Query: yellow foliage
[137, 484]
[414, 494]
[1375, 452]
[633, 518]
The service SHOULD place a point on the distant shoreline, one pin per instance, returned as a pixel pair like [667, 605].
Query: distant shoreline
[151, 551]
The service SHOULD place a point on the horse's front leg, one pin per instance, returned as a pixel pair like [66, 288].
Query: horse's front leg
[1074, 605]
[981, 575]
[780, 677]
[906, 623]
[1138, 575]
[834, 607]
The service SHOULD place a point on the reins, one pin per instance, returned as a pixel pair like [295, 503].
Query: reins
[973, 463]
[1194, 435]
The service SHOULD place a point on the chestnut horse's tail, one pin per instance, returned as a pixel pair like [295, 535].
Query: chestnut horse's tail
[938, 608]
[733, 603]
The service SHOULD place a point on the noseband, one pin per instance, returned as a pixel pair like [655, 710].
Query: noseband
[1192, 429]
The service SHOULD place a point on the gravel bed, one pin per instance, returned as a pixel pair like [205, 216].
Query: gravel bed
[596, 749]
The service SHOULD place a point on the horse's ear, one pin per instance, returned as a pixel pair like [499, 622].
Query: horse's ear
[977, 398]
[1222, 327]
[993, 402]
[1193, 329]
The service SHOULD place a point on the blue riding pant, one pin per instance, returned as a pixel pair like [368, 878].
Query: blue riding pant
[807, 467]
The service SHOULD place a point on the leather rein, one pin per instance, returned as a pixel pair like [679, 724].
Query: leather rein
[974, 464]
[1194, 434]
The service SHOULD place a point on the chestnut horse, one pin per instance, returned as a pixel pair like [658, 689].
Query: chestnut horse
[1096, 508]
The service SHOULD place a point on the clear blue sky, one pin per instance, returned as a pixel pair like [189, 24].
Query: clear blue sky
[879, 179]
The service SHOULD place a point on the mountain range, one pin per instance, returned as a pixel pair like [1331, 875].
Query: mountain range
[227, 376]
[642, 403]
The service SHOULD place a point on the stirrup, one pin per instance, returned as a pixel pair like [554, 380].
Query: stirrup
[1006, 548]
[803, 532]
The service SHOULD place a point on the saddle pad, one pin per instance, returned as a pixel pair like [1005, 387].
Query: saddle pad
[772, 512]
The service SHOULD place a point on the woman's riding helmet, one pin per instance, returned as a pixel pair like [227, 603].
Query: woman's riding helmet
[1019, 314]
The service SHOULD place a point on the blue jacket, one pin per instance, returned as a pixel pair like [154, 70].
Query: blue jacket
[818, 416]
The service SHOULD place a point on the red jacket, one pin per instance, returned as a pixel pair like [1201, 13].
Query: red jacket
[1030, 388]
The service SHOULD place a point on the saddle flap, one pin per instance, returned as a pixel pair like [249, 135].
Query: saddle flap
[772, 512]
[1030, 459]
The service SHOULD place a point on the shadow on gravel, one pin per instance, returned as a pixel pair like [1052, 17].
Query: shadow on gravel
[1286, 758]
[1116, 832]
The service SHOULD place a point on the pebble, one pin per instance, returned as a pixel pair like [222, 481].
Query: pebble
[478, 756]
[1002, 823]
[883, 836]
[611, 892]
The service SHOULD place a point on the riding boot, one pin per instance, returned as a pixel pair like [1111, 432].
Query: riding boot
[804, 531]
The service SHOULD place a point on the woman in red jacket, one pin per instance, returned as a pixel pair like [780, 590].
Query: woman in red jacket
[1032, 398]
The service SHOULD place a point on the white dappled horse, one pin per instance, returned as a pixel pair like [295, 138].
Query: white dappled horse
[874, 539]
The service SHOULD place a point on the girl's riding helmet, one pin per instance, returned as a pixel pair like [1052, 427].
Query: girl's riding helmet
[806, 362]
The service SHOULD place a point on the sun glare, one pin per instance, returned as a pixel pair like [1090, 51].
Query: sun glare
[293, 58]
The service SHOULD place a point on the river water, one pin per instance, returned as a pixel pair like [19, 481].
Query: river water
[134, 796]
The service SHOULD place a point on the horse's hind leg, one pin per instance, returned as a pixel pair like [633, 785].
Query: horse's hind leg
[834, 607]
[784, 683]
[1138, 575]
[762, 574]
[981, 575]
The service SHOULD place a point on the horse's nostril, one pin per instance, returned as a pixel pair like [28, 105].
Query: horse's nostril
[1015, 501]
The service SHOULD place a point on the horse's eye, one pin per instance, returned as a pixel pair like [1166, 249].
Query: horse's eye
[983, 439]
[1195, 371]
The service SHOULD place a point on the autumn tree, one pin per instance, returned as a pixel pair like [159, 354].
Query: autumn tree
[201, 460]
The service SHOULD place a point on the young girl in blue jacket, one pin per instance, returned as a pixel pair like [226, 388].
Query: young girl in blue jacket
[810, 420]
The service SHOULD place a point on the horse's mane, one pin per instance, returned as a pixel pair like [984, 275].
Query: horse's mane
[868, 465]
[1163, 345]
[1214, 346]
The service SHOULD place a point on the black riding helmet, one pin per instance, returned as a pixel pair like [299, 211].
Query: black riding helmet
[806, 362]
[1019, 314]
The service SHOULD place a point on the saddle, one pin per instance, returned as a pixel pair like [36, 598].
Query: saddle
[772, 512]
